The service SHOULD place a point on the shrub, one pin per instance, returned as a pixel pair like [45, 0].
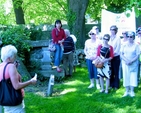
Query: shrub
[17, 36]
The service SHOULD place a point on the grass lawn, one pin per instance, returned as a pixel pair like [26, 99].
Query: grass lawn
[73, 96]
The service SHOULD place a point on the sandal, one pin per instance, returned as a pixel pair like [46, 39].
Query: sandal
[59, 70]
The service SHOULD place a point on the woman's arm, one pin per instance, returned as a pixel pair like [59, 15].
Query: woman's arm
[123, 57]
[134, 59]
[54, 37]
[137, 54]
[15, 78]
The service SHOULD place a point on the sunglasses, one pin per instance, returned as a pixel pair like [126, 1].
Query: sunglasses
[92, 34]
[106, 39]
[129, 36]
[112, 29]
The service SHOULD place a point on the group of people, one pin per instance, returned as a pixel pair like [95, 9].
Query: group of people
[119, 61]
[119, 56]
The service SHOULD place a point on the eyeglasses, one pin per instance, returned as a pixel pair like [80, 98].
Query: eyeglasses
[112, 29]
[123, 33]
[92, 34]
[106, 39]
[129, 36]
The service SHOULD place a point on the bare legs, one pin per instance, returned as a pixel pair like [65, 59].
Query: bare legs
[102, 84]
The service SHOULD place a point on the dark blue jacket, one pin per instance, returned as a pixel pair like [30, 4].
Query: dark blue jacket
[68, 45]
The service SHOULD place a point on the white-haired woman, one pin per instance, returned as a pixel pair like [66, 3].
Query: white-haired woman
[68, 54]
[129, 55]
[8, 56]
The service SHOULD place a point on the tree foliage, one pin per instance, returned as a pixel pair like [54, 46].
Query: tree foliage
[71, 11]
[47, 11]
[17, 36]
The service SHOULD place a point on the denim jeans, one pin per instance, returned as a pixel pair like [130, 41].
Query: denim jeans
[58, 55]
[91, 69]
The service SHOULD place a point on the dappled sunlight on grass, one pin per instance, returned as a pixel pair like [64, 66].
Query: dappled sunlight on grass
[41, 93]
[68, 90]
[74, 83]
[88, 95]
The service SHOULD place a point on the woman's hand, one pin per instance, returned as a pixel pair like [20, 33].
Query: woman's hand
[104, 60]
[92, 58]
[34, 79]
[61, 41]
[128, 62]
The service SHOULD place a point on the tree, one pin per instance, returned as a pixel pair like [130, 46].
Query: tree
[19, 14]
[76, 18]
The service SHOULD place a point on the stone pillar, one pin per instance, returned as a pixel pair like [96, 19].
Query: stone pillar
[50, 85]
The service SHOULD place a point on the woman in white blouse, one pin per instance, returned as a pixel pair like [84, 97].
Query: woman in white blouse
[129, 64]
[90, 51]
[115, 42]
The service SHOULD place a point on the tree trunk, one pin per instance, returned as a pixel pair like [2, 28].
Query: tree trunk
[19, 14]
[76, 19]
[138, 21]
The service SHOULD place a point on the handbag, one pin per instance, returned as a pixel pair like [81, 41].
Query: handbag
[8, 95]
[51, 46]
[98, 61]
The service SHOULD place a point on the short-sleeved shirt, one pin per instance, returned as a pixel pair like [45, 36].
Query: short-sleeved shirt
[91, 48]
[132, 52]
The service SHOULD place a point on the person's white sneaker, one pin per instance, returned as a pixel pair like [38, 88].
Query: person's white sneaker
[91, 86]
[132, 94]
[54, 67]
[97, 86]
[125, 94]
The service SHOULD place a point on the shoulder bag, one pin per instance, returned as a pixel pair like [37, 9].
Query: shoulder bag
[51, 46]
[8, 95]
[98, 61]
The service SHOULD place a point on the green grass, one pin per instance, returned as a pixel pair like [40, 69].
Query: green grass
[73, 96]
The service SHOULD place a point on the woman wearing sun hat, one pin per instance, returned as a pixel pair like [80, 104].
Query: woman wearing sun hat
[90, 51]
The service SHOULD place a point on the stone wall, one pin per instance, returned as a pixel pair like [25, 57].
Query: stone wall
[40, 59]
